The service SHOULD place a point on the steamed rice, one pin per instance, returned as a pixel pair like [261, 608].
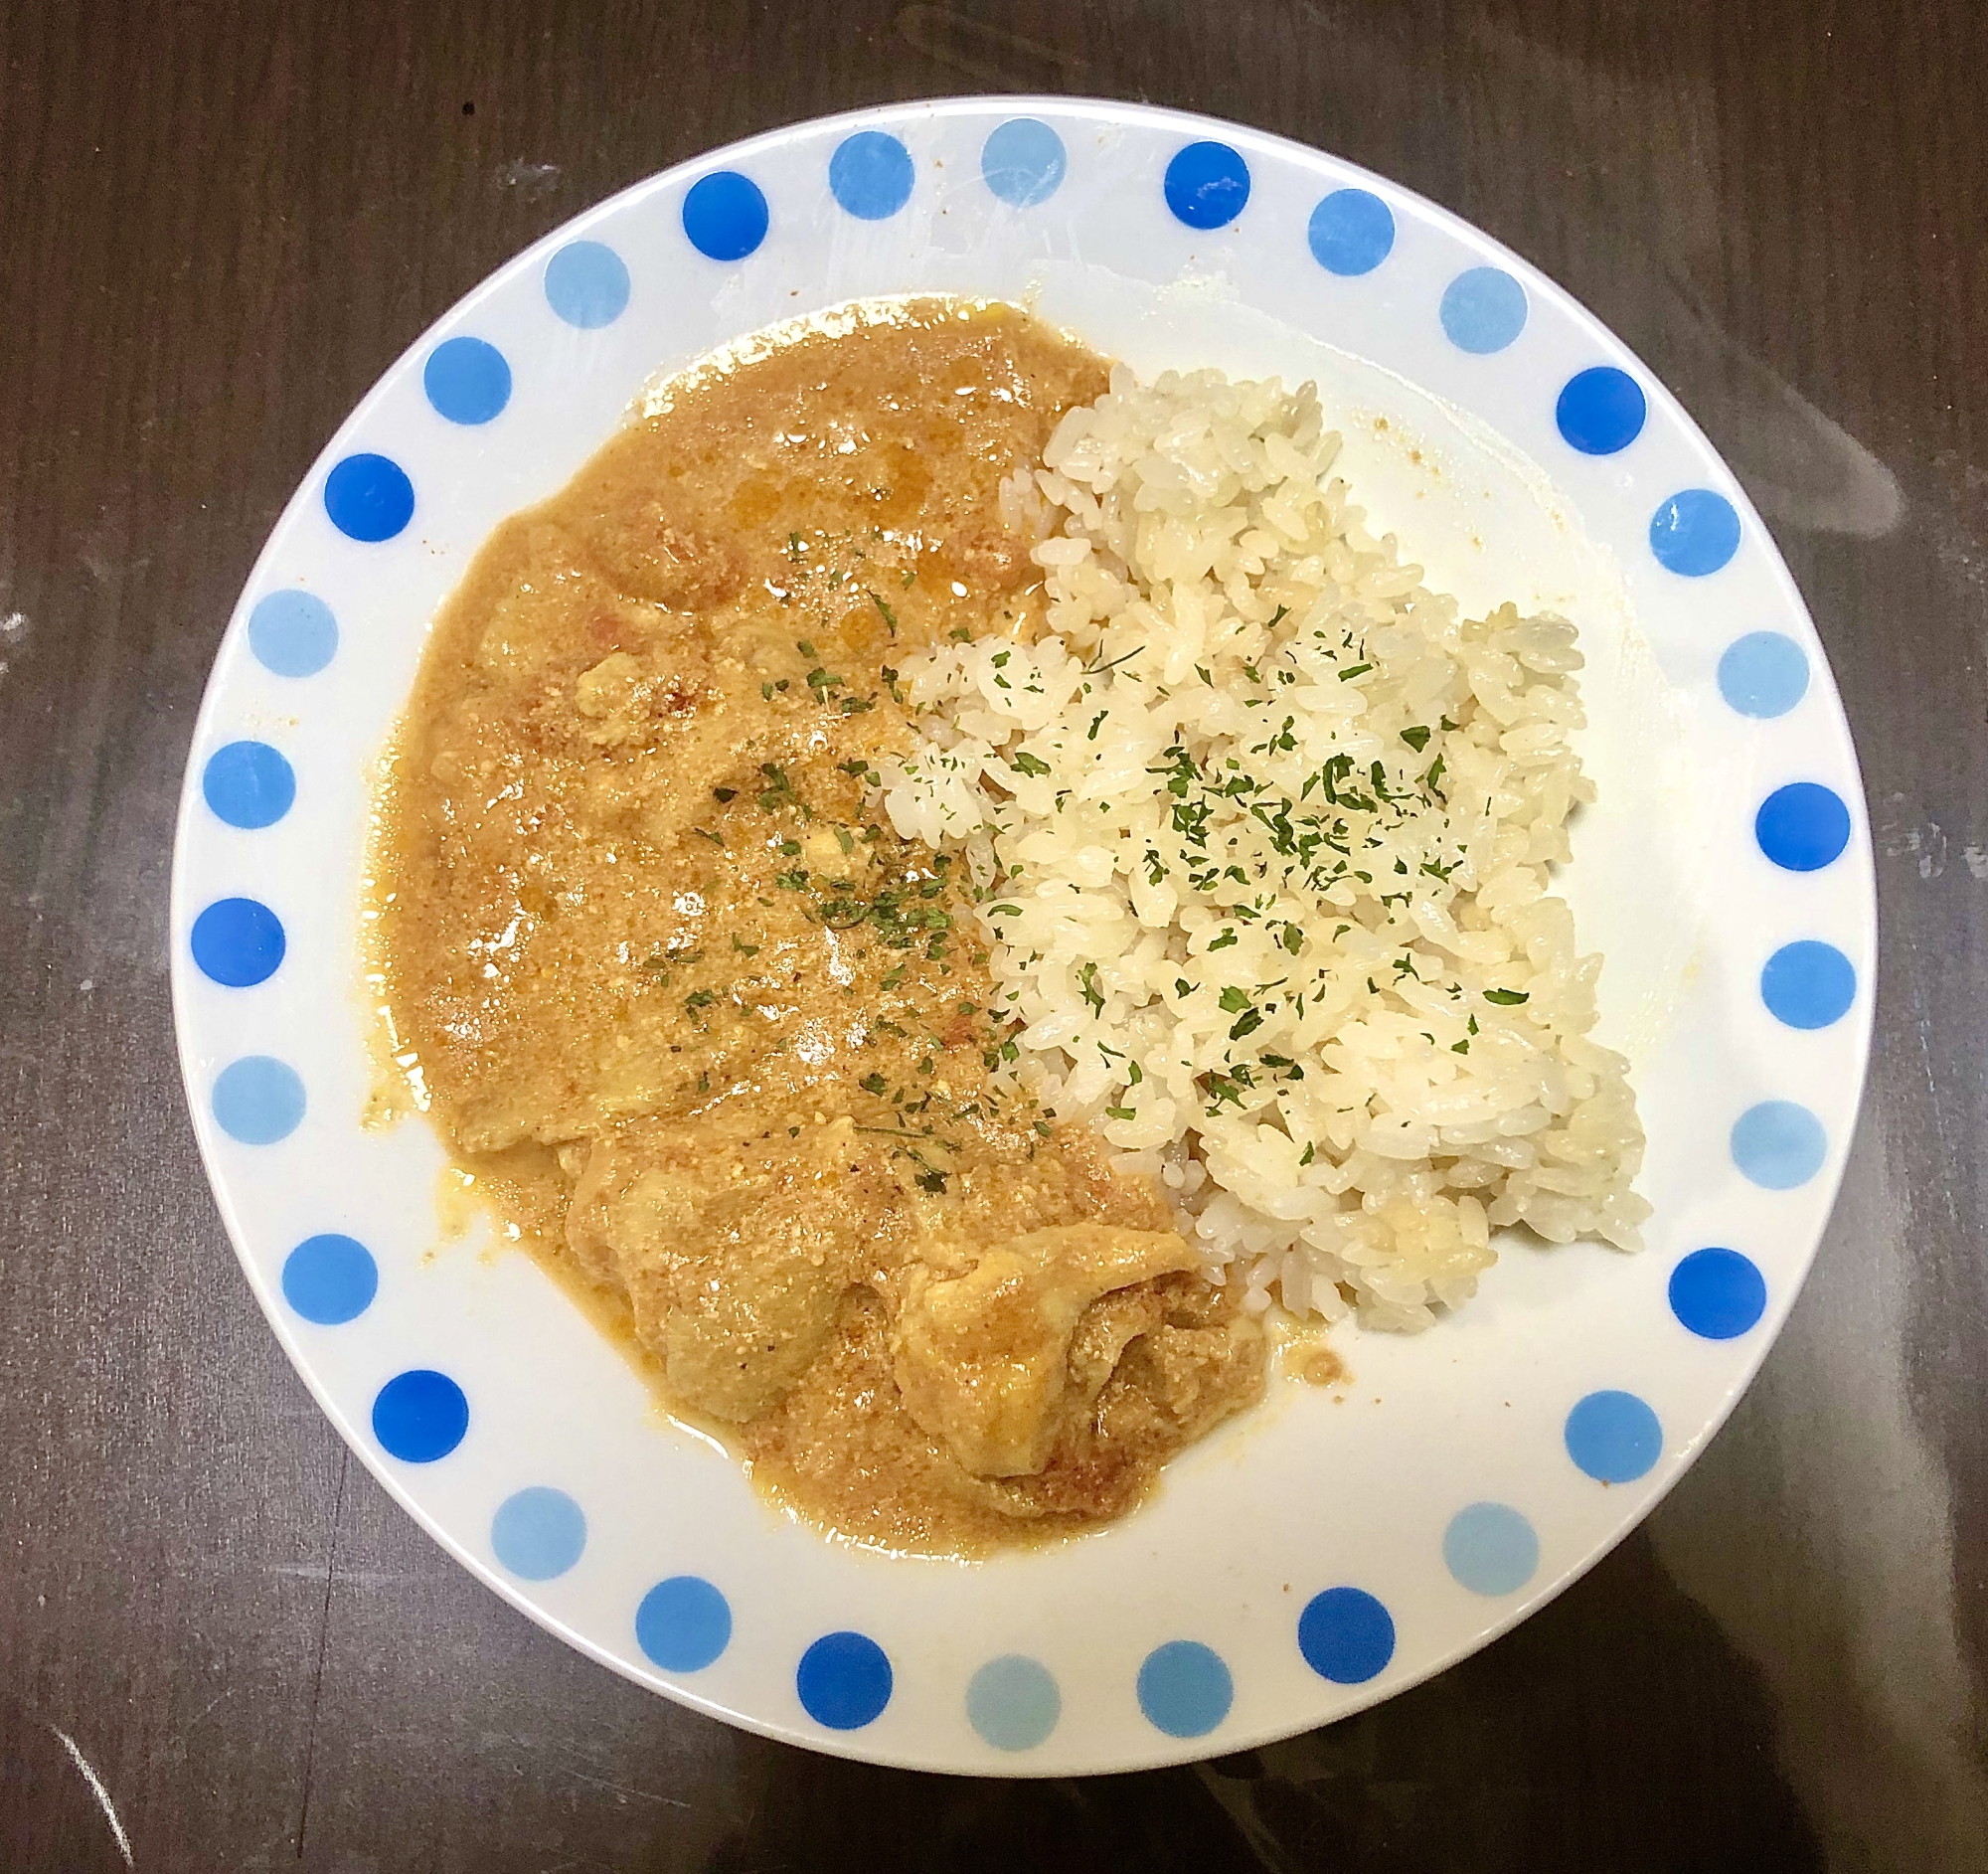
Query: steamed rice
[1261, 831]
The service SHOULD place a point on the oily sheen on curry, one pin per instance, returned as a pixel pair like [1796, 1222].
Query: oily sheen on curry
[721, 1044]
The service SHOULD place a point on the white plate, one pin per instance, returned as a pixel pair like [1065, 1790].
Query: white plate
[1317, 1555]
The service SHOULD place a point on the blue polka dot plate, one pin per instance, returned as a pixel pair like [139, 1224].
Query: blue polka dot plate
[1339, 1544]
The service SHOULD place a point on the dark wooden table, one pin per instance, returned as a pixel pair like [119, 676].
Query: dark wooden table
[219, 221]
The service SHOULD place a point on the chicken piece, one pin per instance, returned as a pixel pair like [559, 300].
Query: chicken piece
[983, 1359]
[665, 562]
[751, 1323]
[735, 1261]
[619, 699]
[1202, 1359]
[546, 605]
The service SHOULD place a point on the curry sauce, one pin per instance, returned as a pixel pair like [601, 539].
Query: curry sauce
[718, 1042]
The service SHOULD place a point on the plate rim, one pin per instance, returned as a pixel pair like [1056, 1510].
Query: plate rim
[1163, 1749]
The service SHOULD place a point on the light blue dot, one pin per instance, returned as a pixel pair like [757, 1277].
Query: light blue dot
[844, 1682]
[257, 1099]
[1346, 1636]
[292, 633]
[330, 1279]
[1013, 1702]
[682, 1624]
[1491, 1549]
[368, 498]
[467, 380]
[725, 215]
[871, 175]
[1718, 1294]
[237, 943]
[1023, 163]
[586, 284]
[1351, 233]
[420, 1416]
[1778, 1144]
[1185, 1688]
[1613, 1436]
[1695, 532]
[538, 1533]
[1206, 185]
[1600, 411]
[1808, 984]
[1804, 826]
[248, 785]
[1763, 674]
[1483, 310]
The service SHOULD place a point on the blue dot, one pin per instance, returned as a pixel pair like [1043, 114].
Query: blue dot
[1185, 1689]
[368, 498]
[538, 1533]
[248, 785]
[725, 215]
[1206, 185]
[257, 1099]
[330, 1279]
[1346, 1636]
[871, 175]
[1023, 163]
[1352, 231]
[1718, 1294]
[1483, 310]
[1804, 826]
[844, 1682]
[1695, 532]
[1763, 674]
[586, 284]
[682, 1624]
[1808, 984]
[1600, 410]
[420, 1416]
[1490, 1549]
[292, 633]
[467, 380]
[1778, 1144]
[237, 943]
[1013, 1702]
[1613, 1436]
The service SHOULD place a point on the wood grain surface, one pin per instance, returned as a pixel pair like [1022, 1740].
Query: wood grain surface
[222, 1648]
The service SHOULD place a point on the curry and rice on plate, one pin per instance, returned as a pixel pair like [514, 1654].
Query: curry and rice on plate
[938, 886]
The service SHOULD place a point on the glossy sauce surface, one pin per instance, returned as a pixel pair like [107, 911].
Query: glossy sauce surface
[716, 1041]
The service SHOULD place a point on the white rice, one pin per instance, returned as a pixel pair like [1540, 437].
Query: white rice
[1265, 835]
